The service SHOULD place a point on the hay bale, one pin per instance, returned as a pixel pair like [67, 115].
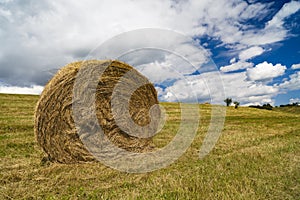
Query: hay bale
[55, 129]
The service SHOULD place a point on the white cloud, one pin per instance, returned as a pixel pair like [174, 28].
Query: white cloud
[225, 26]
[6, 14]
[274, 30]
[63, 31]
[263, 37]
[43, 35]
[287, 10]
[256, 10]
[208, 87]
[165, 58]
[191, 88]
[296, 66]
[247, 92]
[243, 57]
[159, 72]
[293, 83]
[233, 60]
[294, 100]
[251, 52]
[265, 71]
[5, 1]
[236, 66]
[21, 90]
[146, 46]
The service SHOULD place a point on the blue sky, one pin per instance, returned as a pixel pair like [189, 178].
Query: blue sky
[254, 45]
[285, 52]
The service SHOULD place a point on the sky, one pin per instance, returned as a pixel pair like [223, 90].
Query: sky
[247, 50]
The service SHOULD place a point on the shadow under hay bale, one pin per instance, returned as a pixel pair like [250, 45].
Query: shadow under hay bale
[55, 128]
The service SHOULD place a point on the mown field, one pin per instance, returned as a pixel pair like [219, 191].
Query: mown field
[257, 157]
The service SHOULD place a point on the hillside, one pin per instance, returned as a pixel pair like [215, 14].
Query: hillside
[257, 157]
[289, 109]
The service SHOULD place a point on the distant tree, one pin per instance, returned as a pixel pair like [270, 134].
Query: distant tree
[236, 104]
[291, 105]
[267, 106]
[228, 101]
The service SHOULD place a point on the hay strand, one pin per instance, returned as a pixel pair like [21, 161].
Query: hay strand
[55, 129]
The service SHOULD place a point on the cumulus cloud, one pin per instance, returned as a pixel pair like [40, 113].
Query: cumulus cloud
[48, 34]
[243, 57]
[294, 100]
[296, 66]
[208, 88]
[265, 71]
[247, 92]
[287, 10]
[293, 83]
[204, 87]
[5, 14]
[236, 66]
[232, 60]
[41, 36]
[166, 72]
[251, 52]
[21, 90]
[274, 30]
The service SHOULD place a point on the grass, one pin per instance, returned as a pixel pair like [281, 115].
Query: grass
[257, 157]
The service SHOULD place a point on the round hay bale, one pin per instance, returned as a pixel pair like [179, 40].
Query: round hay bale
[55, 128]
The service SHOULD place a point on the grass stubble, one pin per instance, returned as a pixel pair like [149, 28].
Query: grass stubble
[257, 157]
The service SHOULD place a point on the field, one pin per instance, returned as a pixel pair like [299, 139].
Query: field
[257, 157]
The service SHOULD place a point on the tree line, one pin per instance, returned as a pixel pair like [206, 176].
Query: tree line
[267, 106]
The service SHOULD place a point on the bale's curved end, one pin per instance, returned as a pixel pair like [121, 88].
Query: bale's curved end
[54, 124]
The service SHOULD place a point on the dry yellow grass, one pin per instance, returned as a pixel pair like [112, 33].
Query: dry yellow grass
[257, 157]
